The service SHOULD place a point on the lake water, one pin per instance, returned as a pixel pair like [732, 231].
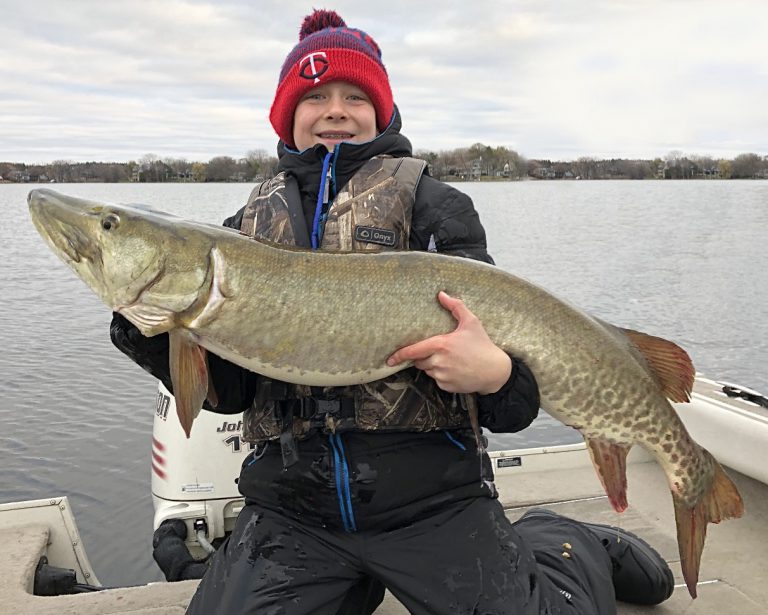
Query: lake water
[682, 260]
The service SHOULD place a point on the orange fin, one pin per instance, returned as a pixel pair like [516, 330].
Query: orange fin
[670, 364]
[189, 375]
[610, 461]
[721, 501]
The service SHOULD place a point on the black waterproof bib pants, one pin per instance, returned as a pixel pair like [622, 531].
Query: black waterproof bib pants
[408, 510]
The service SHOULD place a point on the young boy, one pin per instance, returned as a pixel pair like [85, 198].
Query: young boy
[380, 481]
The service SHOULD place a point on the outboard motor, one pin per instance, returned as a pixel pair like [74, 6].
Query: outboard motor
[195, 479]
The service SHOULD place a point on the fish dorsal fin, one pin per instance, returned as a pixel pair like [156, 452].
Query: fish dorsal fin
[668, 362]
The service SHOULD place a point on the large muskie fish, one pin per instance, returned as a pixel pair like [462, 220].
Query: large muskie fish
[333, 319]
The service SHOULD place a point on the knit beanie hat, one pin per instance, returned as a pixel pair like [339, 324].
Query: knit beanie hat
[330, 51]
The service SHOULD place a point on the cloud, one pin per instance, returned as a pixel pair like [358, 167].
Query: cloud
[115, 80]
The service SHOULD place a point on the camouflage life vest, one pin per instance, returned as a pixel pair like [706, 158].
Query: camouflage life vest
[371, 213]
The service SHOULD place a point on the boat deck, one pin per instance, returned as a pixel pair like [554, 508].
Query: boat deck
[732, 578]
[735, 561]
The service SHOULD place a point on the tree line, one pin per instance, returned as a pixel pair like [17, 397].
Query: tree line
[478, 162]
[256, 165]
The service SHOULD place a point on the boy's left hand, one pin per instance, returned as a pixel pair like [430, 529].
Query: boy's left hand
[463, 361]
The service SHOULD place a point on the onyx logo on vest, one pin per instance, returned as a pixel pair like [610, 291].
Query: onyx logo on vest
[313, 65]
[371, 234]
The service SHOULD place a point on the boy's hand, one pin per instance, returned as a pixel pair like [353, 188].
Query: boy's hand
[463, 361]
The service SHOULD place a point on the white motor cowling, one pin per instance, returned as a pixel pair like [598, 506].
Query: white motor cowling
[195, 479]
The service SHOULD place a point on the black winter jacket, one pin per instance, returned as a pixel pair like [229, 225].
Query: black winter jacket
[442, 217]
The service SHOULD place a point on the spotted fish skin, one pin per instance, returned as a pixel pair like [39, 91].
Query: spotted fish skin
[333, 319]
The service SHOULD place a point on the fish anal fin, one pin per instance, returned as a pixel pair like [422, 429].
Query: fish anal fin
[189, 375]
[721, 501]
[669, 363]
[610, 461]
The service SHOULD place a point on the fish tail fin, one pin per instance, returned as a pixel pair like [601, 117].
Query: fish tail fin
[189, 376]
[720, 501]
[610, 461]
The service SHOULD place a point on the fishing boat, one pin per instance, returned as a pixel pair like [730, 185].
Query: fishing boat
[43, 552]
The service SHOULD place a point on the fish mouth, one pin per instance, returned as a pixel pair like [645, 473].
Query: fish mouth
[67, 239]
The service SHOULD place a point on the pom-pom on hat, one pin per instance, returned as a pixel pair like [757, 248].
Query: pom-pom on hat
[330, 51]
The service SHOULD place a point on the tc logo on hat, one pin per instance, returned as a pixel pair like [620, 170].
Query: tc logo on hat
[313, 65]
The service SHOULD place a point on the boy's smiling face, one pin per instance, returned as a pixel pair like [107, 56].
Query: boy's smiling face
[331, 113]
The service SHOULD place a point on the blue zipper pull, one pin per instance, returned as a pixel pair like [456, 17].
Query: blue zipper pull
[327, 189]
[322, 199]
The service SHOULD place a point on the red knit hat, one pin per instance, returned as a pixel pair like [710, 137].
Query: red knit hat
[330, 51]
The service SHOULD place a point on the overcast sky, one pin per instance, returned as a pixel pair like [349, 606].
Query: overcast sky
[115, 80]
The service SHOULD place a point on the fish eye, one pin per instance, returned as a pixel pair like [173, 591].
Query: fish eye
[110, 222]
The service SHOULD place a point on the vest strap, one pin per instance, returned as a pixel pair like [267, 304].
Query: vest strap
[296, 212]
[315, 409]
[287, 441]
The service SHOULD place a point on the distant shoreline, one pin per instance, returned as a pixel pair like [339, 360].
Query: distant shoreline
[476, 163]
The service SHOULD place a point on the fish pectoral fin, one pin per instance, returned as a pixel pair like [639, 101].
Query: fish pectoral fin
[669, 363]
[190, 377]
[610, 461]
[150, 320]
[211, 395]
[721, 501]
